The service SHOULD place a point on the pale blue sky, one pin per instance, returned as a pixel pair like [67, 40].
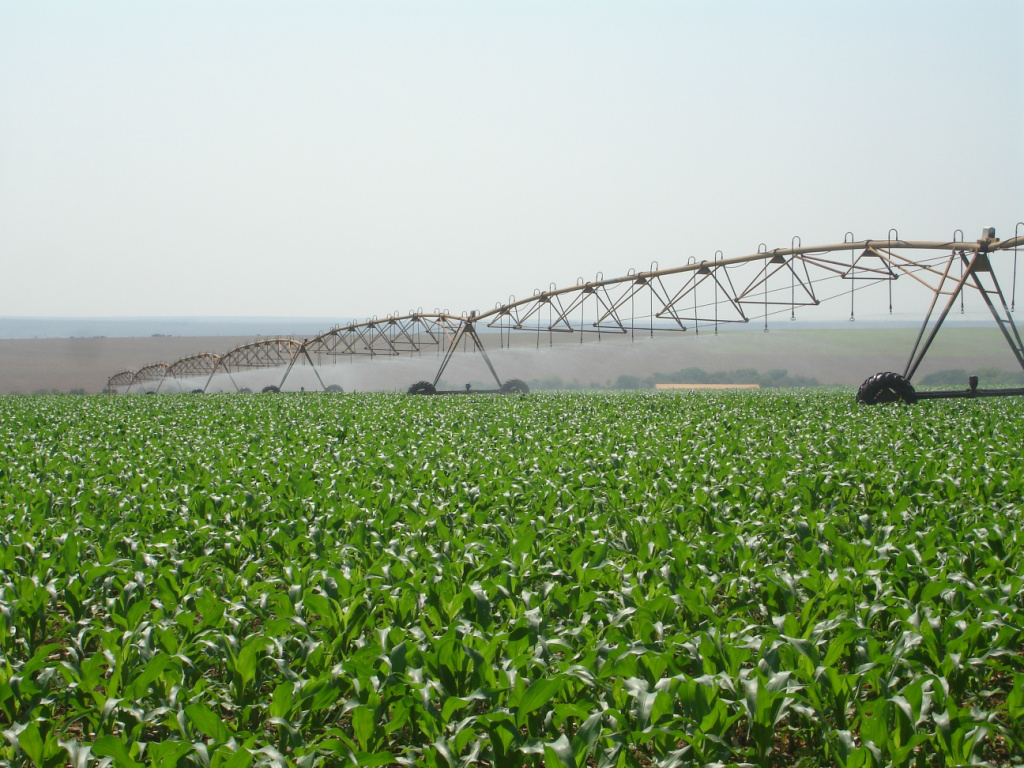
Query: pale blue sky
[350, 159]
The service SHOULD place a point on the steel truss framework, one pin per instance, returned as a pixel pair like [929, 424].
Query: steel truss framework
[120, 379]
[712, 293]
[690, 297]
[149, 374]
[193, 366]
[414, 333]
[263, 353]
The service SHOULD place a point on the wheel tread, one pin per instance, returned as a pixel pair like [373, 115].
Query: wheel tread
[422, 388]
[886, 387]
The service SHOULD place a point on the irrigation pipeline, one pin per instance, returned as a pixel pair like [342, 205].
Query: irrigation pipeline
[783, 279]
[873, 247]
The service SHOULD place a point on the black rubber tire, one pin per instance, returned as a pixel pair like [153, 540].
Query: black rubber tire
[886, 387]
[335, 388]
[150, 391]
[515, 387]
[270, 388]
[245, 391]
[197, 391]
[422, 388]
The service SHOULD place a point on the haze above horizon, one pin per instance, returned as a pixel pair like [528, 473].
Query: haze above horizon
[321, 160]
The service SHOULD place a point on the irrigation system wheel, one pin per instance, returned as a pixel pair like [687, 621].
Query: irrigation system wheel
[271, 388]
[197, 391]
[515, 387]
[886, 387]
[335, 388]
[245, 391]
[422, 388]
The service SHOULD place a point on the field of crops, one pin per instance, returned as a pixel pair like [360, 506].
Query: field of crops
[552, 580]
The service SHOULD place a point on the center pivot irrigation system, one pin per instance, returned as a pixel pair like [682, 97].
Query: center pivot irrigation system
[696, 296]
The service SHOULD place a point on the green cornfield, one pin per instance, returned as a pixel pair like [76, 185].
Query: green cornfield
[644, 579]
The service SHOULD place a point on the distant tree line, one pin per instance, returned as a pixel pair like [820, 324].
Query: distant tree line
[76, 391]
[987, 378]
[770, 379]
